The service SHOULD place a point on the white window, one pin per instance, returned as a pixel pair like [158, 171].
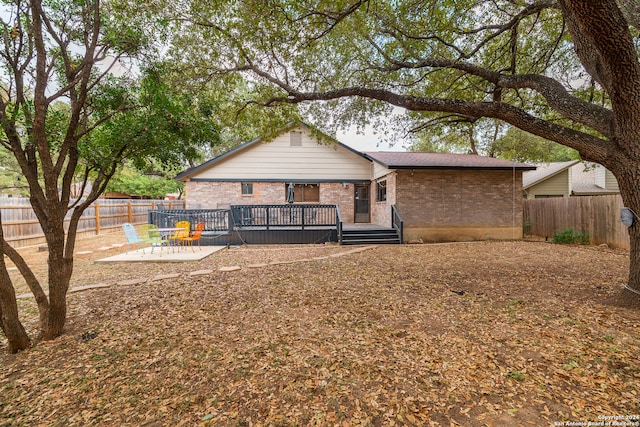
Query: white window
[381, 191]
[247, 188]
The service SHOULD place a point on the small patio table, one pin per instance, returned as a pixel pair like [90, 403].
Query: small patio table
[166, 234]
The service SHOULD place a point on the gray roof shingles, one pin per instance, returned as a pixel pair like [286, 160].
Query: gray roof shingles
[419, 160]
[583, 181]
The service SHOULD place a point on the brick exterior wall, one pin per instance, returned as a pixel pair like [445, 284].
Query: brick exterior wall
[219, 195]
[381, 211]
[451, 205]
[333, 193]
[447, 205]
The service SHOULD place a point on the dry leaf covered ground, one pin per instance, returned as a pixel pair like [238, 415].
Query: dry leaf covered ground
[535, 334]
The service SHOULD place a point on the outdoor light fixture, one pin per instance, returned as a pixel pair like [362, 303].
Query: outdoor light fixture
[626, 217]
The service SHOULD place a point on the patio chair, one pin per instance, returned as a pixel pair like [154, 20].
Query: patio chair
[194, 237]
[151, 234]
[177, 235]
[132, 236]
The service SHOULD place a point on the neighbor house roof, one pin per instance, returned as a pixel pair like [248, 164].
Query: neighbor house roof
[583, 181]
[418, 160]
[545, 171]
[582, 177]
[197, 169]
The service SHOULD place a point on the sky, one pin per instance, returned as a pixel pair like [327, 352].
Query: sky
[367, 141]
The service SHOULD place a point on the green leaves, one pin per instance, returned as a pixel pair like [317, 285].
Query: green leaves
[134, 183]
[158, 124]
[394, 52]
[521, 146]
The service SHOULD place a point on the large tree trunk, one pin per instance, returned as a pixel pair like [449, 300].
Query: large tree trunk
[60, 270]
[628, 176]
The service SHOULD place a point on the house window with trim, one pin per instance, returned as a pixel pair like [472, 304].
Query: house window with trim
[381, 191]
[247, 188]
[303, 193]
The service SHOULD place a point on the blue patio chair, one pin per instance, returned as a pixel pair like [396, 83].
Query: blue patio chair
[132, 236]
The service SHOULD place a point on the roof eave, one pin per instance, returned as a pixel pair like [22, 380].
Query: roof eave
[523, 168]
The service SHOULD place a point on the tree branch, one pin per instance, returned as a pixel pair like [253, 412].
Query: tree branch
[31, 280]
[614, 61]
[589, 146]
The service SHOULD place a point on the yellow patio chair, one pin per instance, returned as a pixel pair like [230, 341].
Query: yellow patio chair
[194, 237]
[185, 230]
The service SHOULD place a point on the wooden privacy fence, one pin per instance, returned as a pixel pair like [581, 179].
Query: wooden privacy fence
[599, 216]
[21, 227]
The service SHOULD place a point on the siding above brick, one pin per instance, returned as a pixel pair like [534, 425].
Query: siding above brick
[280, 160]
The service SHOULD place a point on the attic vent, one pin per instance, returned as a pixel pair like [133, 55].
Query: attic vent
[296, 139]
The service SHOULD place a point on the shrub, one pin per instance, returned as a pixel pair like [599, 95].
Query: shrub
[571, 236]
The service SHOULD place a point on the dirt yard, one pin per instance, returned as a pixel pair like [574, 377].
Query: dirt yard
[493, 333]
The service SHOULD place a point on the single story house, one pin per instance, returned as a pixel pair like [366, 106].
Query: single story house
[566, 179]
[440, 197]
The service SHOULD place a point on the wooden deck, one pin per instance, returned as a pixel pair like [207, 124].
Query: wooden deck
[267, 224]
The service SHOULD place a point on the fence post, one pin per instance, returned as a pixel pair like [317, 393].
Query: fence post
[129, 212]
[96, 207]
[267, 219]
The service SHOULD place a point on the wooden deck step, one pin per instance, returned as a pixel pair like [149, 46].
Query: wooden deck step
[378, 236]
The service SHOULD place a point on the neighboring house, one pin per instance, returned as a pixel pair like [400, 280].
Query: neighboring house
[592, 179]
[441, 197]
[565, 179]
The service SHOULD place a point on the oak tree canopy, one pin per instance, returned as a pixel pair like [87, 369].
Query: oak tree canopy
[563, 70]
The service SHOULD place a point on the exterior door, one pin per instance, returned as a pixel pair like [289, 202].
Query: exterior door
[361, 210]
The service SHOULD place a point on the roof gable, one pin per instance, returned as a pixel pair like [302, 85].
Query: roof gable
[584, 180]
[581, 178]
[545, 171]
[314, 155]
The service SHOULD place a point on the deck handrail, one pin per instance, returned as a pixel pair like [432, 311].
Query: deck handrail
[397, 223]
[339, 224]
[269, 216]
[215, 220]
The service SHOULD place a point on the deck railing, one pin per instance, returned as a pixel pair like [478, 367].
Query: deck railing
[277, 216]
[215, 220]
[339, 224]
[397, 223]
